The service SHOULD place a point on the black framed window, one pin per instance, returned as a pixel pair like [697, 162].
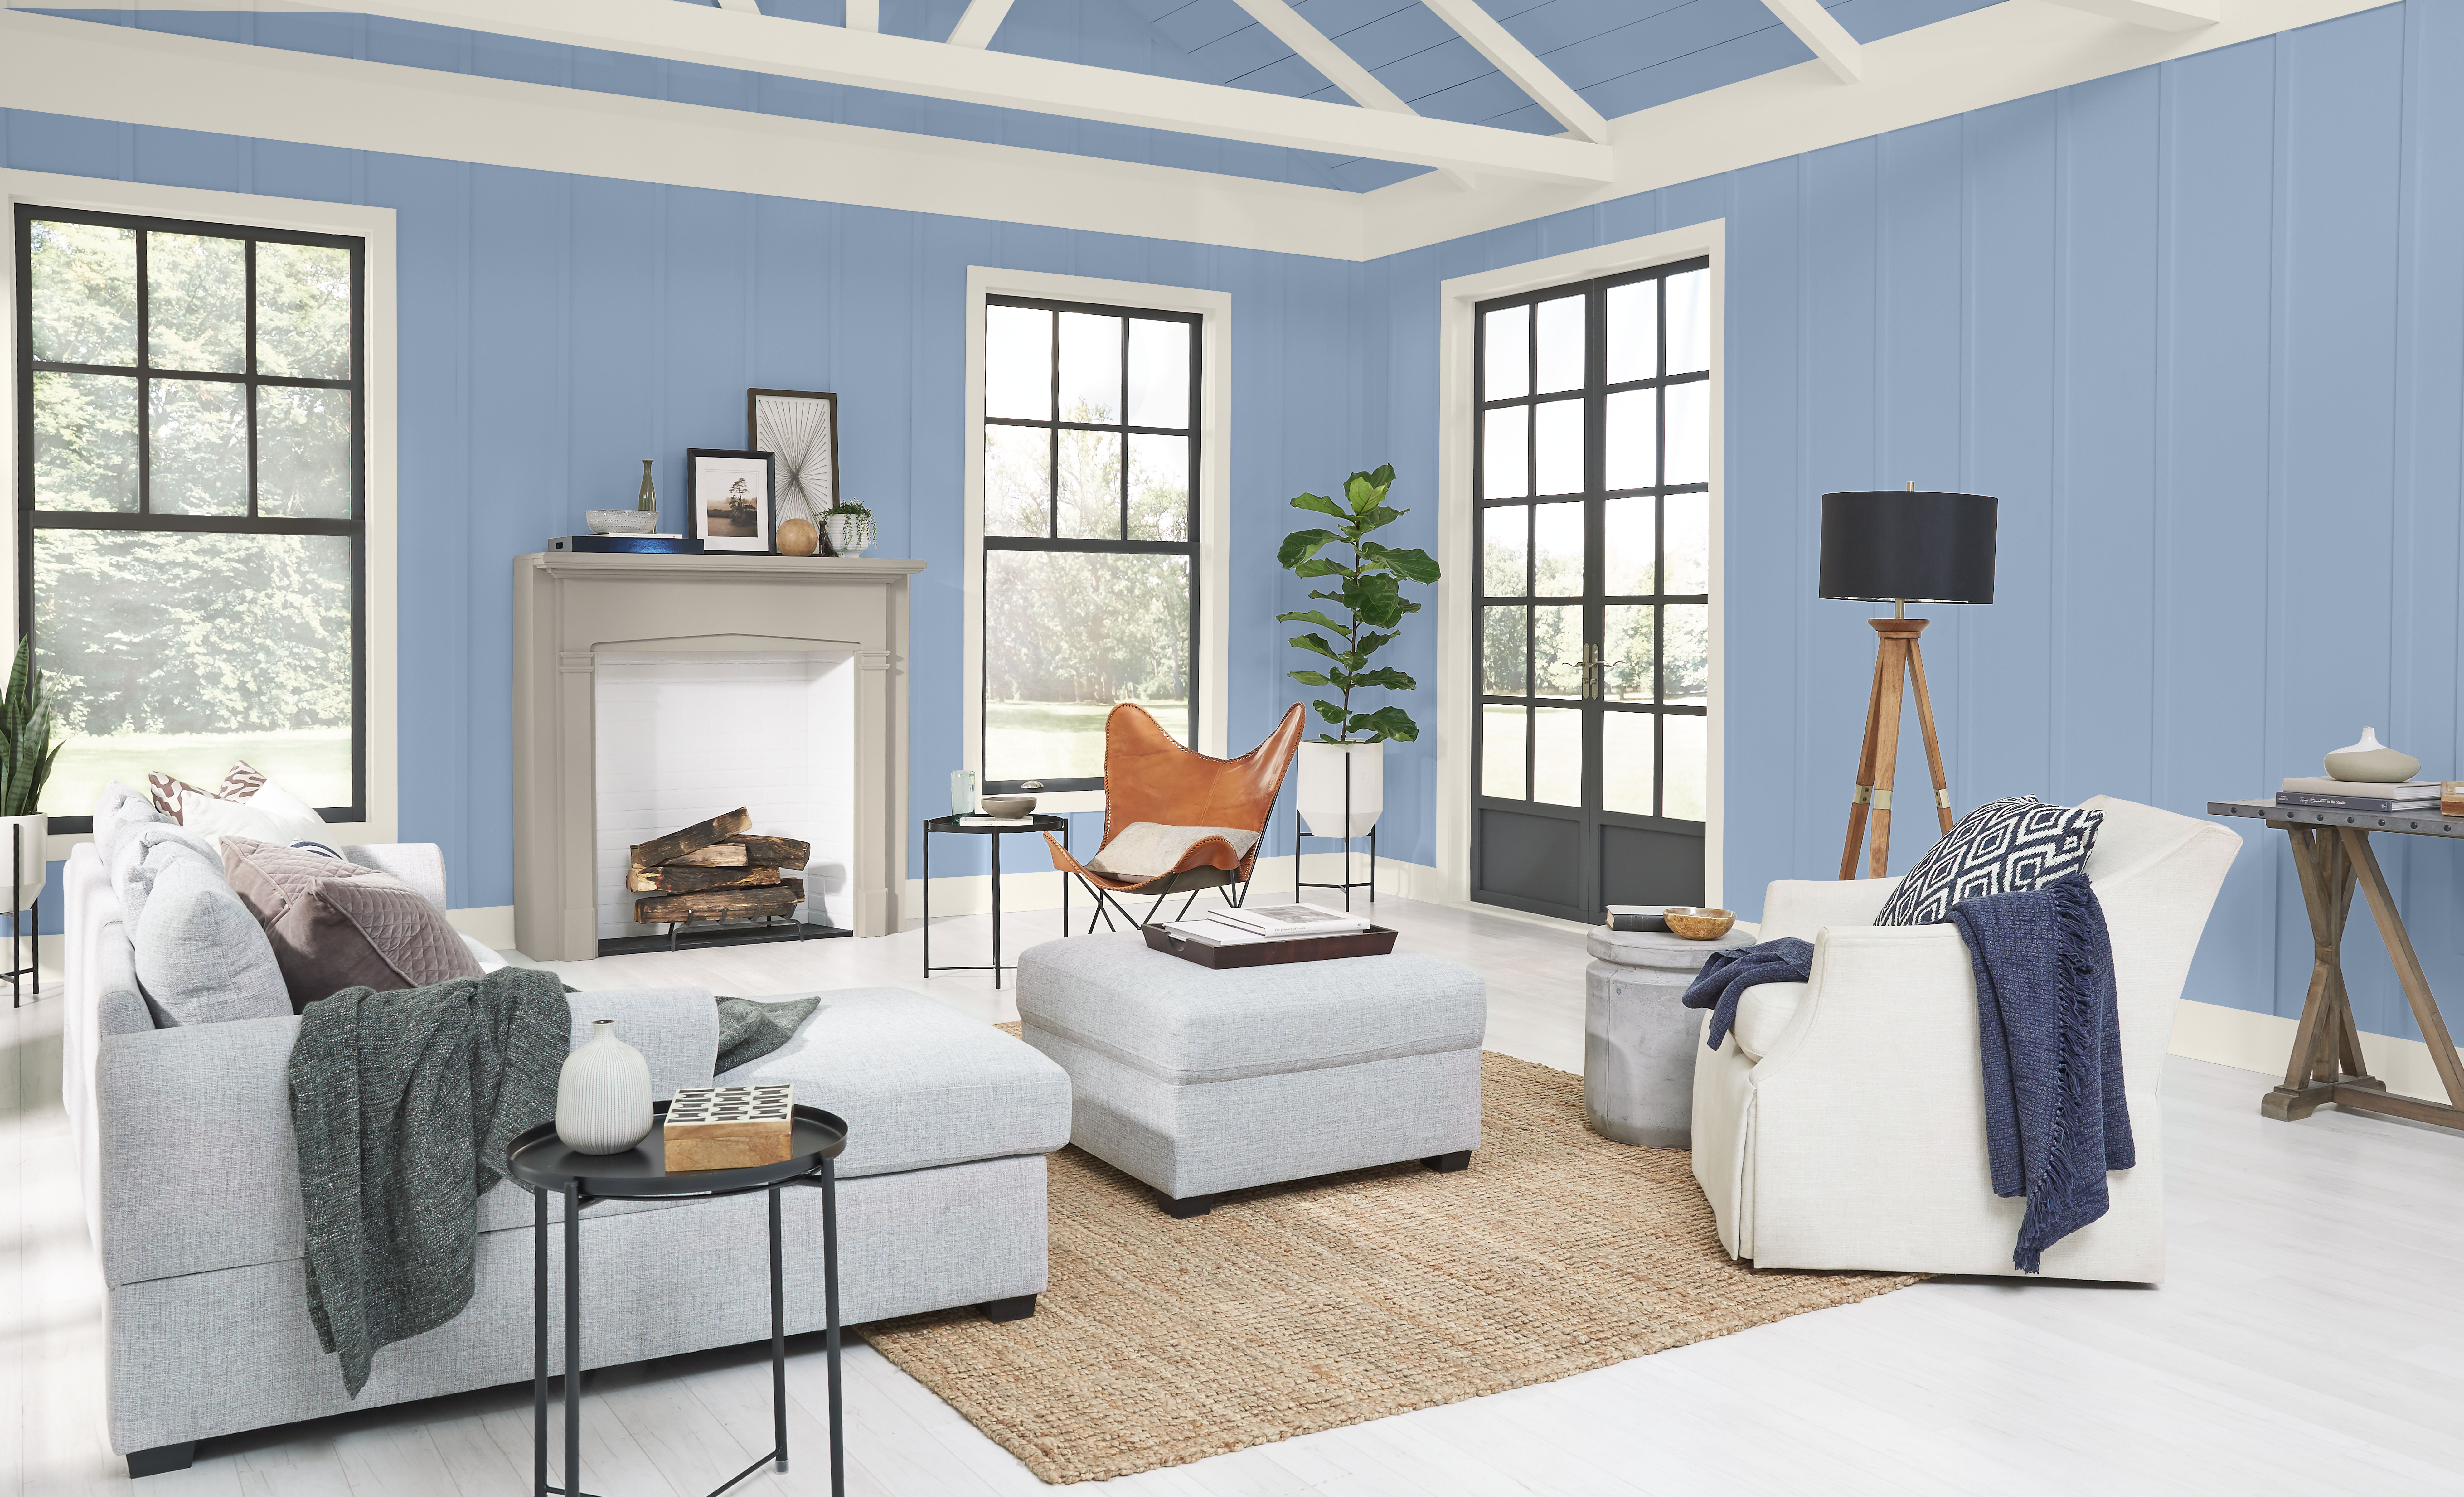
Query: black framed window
[191, 530]
[1591, 466]
[1091, 558]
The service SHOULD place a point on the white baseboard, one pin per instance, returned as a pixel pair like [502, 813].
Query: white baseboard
[489, 925]
[2263, 1043]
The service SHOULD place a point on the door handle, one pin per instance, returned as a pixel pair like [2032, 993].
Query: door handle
[1592, 665]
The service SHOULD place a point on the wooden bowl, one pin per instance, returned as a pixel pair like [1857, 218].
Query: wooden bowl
[1007, 806]
[1699, 924]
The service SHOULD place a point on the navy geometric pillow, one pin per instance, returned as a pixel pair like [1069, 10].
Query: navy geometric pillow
[2003, 846]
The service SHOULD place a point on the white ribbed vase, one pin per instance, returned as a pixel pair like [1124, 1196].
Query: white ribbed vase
[602, 1095]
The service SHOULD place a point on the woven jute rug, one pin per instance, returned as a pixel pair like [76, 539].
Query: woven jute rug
[1297, 1308]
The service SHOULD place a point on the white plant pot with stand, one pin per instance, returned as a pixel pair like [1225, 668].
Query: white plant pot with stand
[29, 872]
[1340, 794]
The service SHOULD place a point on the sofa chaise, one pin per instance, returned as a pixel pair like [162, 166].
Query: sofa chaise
[192, 1197]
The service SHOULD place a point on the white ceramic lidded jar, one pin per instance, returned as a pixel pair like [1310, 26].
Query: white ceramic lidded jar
[602, 1095]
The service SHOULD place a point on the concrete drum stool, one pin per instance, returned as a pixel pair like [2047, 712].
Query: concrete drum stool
[1200, 1082]
[1639, 1039]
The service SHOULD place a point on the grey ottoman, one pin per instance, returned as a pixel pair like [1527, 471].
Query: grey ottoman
[1200, 1082]
[1639, 1041]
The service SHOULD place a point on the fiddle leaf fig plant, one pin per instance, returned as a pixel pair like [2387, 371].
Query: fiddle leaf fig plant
[1370, 596]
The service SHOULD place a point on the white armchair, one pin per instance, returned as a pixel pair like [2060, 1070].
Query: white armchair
[1842, 1124]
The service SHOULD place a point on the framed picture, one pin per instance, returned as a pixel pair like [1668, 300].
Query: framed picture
[801, 427]
[731, 494]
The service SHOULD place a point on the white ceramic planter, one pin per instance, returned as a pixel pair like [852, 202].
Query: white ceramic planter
[849, 534]
[37, 870]
[602, 1095]
[1321, 788]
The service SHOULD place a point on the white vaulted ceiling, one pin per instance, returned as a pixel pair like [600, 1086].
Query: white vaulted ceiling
[1340, 127]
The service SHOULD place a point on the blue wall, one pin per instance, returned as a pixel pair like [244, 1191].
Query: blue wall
[2201, 328]
[554, 330]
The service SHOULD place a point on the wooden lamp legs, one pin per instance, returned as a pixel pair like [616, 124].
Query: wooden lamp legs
[1898, 662]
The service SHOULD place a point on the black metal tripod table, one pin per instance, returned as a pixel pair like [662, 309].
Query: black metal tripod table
[542, 1161]
[951, 824]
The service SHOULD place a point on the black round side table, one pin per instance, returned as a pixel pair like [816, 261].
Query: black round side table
[952, 825]
[542, 1161]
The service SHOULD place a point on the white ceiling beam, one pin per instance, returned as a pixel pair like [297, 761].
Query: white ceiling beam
[1516, 61]
[2170, 15]
[863, 16]
[1336, 65]
[976, 27]
[907, 65]
[1818, 30]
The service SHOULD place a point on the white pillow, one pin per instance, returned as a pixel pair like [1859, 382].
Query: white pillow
[201, 957]
[272, 814]
[146, 850]
[1149, 850]
[121, 807]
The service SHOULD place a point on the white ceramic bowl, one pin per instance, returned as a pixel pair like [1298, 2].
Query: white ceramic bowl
[623, 522]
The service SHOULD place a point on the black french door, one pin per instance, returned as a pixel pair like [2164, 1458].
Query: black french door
[1591, 466]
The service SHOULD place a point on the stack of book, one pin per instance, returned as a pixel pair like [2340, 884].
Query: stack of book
[2360, 795]
[1238, 926]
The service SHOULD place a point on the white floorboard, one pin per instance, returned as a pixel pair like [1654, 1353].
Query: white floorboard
[2310, 1333]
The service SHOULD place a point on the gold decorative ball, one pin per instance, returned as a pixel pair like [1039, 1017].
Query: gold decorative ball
[799, 537]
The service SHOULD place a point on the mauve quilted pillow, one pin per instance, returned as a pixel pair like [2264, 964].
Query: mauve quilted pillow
[337, 925]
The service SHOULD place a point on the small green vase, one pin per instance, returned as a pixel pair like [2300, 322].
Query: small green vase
[650, 489]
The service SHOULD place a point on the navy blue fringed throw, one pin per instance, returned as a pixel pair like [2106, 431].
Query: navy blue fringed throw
[2049, 1032]
[1727, 974]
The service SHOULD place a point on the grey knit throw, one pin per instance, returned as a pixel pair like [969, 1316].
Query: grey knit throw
[403, 1104]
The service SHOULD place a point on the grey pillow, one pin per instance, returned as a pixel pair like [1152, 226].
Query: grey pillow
[119, 809]
[201, 957]
[146, 850]
[1149, 850]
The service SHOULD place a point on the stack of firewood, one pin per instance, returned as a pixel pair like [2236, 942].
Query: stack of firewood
[716, 871]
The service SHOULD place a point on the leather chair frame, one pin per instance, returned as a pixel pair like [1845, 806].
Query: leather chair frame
[1150, 777]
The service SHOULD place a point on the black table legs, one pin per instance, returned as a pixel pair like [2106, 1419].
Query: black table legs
[830, 1321]
[777, 1337]
[538, 1344]
[997, 842]
[827, 1180]
[573, 1340]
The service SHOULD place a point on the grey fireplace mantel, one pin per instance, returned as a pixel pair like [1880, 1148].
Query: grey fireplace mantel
[567, 607]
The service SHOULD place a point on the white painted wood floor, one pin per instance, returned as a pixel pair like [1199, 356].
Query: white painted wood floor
[2310, 1337]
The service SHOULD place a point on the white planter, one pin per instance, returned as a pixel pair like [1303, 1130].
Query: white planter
[602, 1095]
[849, 534]
[37, 870]
[1320, 793]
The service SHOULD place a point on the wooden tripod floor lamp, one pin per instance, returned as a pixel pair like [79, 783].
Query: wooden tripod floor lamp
[1901, 547]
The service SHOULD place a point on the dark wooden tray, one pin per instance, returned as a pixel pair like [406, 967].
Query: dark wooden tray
[1376, 941]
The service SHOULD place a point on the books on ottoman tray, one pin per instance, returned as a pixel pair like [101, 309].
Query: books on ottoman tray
[729, 1128]
[1269, 934]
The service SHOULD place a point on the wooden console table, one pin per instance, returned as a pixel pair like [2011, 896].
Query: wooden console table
[2331, 850]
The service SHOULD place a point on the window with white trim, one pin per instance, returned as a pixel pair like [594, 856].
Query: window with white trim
[1090, 551]
[191, 502]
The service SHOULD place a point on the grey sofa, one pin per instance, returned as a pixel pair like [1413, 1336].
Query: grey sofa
[192, 1197]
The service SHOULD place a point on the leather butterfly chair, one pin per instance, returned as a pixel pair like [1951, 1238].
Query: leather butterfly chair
[1150, 777]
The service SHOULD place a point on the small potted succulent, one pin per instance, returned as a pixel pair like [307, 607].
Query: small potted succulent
[1347, 768]
[849, 527]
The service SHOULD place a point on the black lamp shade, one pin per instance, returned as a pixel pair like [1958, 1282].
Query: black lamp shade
[1887, 544]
